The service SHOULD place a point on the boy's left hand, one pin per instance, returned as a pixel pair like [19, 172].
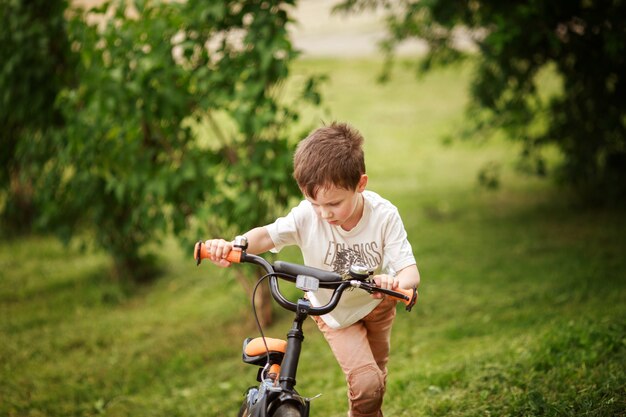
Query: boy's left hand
[384, 281]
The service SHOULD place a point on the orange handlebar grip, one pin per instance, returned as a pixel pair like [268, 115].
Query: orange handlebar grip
[200, 252]
[411, 294]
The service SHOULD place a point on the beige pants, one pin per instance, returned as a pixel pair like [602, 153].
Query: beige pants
[362, 351]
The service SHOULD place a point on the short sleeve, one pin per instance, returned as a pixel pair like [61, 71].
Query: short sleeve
[285, 230]
[398, 250]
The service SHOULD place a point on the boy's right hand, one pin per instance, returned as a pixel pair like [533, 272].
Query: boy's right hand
[219, 249]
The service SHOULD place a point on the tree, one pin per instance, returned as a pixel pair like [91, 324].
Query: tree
[581, 40]
[129, 164]
[35, 64]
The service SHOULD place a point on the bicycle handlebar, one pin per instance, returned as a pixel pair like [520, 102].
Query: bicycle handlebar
[290, 271]
[296, 269]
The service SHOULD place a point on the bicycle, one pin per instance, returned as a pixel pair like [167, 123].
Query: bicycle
[278, 359]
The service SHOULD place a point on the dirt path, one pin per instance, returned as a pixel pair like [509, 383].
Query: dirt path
[318, 32]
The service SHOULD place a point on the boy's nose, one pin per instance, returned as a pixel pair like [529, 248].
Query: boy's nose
[326, 214]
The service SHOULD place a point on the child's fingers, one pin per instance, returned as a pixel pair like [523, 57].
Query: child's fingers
[381, 281]
[218, 249]
[223, 263]
[386, 282]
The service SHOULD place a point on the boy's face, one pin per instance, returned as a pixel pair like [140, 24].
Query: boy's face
[338, 206]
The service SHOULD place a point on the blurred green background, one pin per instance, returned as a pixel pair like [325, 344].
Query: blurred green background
[521, 309]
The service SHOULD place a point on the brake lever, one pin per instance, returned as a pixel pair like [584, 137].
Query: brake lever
[408, 297]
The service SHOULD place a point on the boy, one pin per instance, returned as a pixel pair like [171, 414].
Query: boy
[340, 223]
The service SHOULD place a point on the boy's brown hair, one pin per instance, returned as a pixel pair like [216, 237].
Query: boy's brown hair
[329, 156]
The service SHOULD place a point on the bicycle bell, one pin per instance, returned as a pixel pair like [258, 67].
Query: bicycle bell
[359, 271]
[241, 242]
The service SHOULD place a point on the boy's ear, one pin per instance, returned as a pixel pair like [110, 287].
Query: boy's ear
[362, 183]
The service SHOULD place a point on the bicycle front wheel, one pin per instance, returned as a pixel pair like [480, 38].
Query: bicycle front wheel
[287, 410]
[243, 411]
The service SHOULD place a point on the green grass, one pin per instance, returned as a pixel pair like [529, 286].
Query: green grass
[522, 306]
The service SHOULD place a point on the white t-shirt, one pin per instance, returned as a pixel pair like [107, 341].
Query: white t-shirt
[378, 241]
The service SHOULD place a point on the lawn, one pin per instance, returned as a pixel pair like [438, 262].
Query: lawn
[521, 309]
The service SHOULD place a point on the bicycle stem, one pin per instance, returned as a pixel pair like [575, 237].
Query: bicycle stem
[295, 337]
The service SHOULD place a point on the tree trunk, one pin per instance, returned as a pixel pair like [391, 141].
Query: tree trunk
[262, 299]
[19, 213]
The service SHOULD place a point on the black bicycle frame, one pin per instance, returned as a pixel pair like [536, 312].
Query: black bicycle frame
[295, 337]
